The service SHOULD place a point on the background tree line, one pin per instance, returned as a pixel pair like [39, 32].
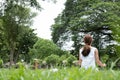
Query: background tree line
[100, 18]
[17, 39]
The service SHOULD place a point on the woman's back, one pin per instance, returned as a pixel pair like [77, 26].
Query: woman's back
[89, 60]
[89, 55]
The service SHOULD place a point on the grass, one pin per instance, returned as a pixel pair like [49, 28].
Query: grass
[73, 73]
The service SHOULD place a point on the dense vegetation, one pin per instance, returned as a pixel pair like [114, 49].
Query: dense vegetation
[100, 18]
[19, 44]
[60, 74]
[24, 56]
[16, 36]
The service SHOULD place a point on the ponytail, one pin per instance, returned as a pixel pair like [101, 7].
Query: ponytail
[86, 50]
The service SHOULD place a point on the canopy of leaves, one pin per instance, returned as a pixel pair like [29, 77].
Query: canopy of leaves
[14, 17]
[43, 48]
[100, 18]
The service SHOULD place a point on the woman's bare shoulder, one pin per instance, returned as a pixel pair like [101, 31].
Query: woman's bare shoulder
[94, 47]
[81, 48]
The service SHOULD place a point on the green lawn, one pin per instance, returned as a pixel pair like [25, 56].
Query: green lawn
[61, 74]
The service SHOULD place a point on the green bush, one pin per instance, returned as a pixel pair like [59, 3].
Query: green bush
[70, 60]
[44, 48]
[52, 60]
[1, 63]
[20, 65]
[63, 60]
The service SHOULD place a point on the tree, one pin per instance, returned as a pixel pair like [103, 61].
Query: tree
[3, 45]
[96, 17]
[13, 20]
[44, 48]
[23, 3]
[57, 31]
[14, 15]
[25, 41]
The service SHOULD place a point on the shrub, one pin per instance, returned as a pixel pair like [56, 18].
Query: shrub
[70, 60]
[20, 65]
[63, 61]
[1, 63]
[44, 48]
[52, 60]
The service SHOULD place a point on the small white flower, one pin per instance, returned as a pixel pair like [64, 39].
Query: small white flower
[64, 61]
[22, 60]
[54, 70]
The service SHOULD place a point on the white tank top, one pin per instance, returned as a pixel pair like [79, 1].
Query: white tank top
[88, 61]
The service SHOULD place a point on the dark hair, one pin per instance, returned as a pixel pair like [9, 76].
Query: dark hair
[86, 48]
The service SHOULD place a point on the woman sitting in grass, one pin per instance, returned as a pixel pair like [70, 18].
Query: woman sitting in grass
[88, 54]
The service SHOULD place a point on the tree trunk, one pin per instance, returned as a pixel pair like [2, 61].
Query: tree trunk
[16, 56]
[12, 50]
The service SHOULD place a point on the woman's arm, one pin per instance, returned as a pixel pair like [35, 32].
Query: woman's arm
[98, 60]
[80, 60]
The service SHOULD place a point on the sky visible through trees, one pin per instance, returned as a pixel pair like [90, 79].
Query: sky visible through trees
[45, 17]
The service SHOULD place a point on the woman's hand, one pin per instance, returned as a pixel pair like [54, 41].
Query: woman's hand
[104, 65]
[79, 62]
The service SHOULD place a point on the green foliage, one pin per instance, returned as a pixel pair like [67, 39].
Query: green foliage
[70, 60]
[73, 73]
[114, 63]
[104, 58]
[15, 18]
[1, 63]
[117, 49]
[15, 36]
[52, 60]
[24, 3]
[100, 18]
[25, 41]
[43, 48]
[67, 59]
[20, 65]
[63, 59]
[58, 30]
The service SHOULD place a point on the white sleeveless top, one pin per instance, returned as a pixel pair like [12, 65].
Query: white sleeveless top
[88, 61]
